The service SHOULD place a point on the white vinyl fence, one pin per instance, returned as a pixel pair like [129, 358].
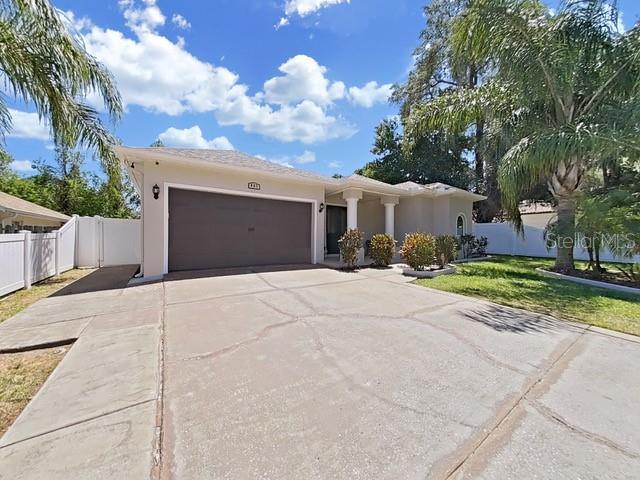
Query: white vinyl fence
[503, 240]
[27, 258]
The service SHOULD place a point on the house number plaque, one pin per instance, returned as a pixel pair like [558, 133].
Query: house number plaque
[253, 186]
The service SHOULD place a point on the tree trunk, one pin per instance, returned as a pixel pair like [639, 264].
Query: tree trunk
[566, 234]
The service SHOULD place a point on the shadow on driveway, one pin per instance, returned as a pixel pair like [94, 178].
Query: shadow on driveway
[105, 278]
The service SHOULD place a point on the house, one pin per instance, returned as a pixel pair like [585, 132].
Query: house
[17, 214]
[536, 214]
[213, 209]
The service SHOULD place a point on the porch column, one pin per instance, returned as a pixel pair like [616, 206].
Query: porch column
[389, 203]
[352, 196]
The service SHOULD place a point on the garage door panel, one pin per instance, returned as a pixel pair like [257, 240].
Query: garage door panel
[210, 230]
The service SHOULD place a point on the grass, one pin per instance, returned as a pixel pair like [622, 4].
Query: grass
[513, 281]
[21, 376]
[17, 301]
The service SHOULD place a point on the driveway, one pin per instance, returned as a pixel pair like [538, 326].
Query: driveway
[314, 373]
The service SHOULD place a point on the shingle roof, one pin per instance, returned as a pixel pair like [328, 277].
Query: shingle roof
[529, 207]
[18, 205]
[238, 160]
[231, 158]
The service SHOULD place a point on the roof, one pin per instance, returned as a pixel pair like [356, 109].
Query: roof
[234, 160]
[533, 207]
[224, 158]
[9, 203]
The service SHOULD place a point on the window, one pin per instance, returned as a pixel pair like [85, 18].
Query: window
[460, 226]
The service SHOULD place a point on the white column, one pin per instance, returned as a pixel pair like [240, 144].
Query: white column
[351, 196]
[389, 217]
[352, 213]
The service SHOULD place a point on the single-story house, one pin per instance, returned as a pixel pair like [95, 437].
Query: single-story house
[17, 214]
[536, 214]
[206, 209]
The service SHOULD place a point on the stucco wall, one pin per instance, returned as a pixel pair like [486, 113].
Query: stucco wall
[153, 255]
[432, 215]
[459, 206]
[370, 217]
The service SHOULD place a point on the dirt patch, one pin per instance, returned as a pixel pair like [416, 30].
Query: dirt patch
[21, 376]
[616, 278]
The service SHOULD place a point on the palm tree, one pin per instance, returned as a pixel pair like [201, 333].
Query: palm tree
[565, 85]
[44, 63]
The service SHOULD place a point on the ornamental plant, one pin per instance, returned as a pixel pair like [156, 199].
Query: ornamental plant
[381, 249]
[446, 249]
[418, 250]
[350, 243]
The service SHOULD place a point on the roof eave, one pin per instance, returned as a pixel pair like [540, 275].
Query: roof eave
[125, 154]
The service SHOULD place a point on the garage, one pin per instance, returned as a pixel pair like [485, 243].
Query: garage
[215, 230]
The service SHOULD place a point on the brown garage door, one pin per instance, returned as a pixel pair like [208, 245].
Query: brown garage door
[211, 230]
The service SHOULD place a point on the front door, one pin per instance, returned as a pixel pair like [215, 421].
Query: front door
[336, 226]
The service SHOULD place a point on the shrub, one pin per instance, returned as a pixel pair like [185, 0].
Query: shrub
[381, 249]
[418, 250]
[350, 243]
[446, 249]
[472, 246]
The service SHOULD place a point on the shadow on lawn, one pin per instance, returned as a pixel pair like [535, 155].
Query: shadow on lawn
[504, 319]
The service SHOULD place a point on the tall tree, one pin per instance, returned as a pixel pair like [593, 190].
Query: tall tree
[431, 160]
[566, 87]
[437, 71]
[44, 63]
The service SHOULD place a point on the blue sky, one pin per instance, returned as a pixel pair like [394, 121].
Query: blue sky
[300, 82]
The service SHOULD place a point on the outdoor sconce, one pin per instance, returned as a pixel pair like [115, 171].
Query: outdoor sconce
[156, 191]
[321, 208]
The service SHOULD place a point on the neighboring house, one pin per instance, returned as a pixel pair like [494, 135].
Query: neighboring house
[17, 214]
[536, 214]
[211, 209]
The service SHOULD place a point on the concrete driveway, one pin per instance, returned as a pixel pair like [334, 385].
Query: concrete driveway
[314, 373]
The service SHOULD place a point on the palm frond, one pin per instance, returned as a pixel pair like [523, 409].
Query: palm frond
[43, 62]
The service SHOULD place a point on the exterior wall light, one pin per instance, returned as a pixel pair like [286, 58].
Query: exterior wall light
[156, 191]
[321, 208]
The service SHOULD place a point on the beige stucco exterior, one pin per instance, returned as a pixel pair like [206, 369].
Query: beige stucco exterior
[166, 175]
[433, 213]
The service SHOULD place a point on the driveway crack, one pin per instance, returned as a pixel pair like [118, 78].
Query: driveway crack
[593, 437]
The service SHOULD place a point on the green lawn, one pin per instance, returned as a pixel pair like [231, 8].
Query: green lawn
[513, 281]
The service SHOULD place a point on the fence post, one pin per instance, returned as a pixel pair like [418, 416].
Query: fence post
[27, 258]
[76, 239]
[57, 251]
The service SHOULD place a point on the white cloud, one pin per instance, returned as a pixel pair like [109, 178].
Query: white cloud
[303, 79]
[279, 160]
[370, 94]
[335, 164]
[180, 22]
[288, 160]
[307, 7]
[27, 125]
[161, 76]
[22, 165]
[142, 19]
[306, 157]
[193, 138]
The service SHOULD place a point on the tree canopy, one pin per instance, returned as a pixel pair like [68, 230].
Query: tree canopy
[564, 87]
[45, 64]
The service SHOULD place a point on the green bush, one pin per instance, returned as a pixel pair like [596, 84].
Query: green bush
[381, 249]
[446, 249]
[350, 243]
[418, 250]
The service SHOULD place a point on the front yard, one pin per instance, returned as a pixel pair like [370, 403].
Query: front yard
[21, 376]
[513, 281]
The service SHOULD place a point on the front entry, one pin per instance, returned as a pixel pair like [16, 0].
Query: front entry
[336, 226]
